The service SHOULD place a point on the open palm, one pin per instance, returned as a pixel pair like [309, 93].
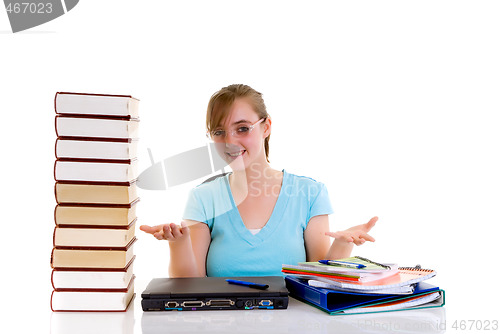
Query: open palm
[357, 234]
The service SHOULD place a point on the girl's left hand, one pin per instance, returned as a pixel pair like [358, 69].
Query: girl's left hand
[357, 234]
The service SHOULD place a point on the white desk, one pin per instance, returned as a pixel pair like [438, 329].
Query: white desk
[298, 318]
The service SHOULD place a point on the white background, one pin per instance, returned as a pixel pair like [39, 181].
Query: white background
[392, 104]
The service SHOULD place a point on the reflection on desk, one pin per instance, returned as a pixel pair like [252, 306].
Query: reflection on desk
[298, 318]
[93, 322]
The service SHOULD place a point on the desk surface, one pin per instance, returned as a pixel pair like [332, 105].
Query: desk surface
[298, 318]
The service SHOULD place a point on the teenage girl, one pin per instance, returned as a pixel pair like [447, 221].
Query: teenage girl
[253, 220]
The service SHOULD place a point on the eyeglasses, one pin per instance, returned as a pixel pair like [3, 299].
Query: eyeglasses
[239, 131]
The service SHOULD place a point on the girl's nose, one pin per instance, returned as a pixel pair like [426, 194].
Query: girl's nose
[230, 140]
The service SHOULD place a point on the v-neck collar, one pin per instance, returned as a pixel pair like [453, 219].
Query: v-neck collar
[272, 223]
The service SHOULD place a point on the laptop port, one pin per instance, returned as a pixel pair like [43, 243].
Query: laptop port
[248, 303]
[193, 303]
[220, 303]
[171, 304]
[265, 302]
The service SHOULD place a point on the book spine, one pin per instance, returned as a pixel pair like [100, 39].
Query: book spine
[55, 195]
[55, 126]
[55, 104]
[100, 205]
[97, 116]
[94, 160]
[52, 258]
[52, 301]
[112, 140]
[94, 94]
[52, 280]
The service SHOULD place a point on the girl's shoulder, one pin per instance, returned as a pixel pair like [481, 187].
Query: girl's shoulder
[301, 180]
[303, 186]
[213, 178]
[212, 185]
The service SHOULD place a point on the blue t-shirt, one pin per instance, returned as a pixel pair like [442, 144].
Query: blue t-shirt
[234, 250]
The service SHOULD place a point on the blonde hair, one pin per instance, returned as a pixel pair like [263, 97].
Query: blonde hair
[221, 101]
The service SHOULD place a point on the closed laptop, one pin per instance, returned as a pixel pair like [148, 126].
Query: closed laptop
[214, 293]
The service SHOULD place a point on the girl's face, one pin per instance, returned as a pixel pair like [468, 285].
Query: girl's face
[243, 142]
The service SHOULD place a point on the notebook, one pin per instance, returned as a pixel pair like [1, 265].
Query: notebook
[371, 270]
[340, 302]
[213, 293]
[401, 283]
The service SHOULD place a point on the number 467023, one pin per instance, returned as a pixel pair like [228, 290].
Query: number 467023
[29, 8]
[485, 325]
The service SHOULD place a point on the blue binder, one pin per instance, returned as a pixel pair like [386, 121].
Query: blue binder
[335, 302]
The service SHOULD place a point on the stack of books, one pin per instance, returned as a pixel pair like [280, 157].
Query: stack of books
[358, 285]
[95, 172]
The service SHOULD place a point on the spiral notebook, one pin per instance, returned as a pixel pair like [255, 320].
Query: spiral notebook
[401, 283]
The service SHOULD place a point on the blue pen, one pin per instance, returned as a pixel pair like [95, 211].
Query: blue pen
[342, 264]
[249, 284]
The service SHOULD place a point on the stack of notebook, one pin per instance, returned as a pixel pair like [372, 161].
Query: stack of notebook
[95, 172]
[359, 285]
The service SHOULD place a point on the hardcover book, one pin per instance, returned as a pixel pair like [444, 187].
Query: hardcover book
[88, 193]
[86, 257]
[95, 278]
[95, 148]
[105, 236]
[98, 127]
[95, 214]
[96, 104]
[96, 170]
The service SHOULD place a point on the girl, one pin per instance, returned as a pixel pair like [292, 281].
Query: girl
[253, 220]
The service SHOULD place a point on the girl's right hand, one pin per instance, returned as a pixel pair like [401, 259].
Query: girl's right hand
[171, 232]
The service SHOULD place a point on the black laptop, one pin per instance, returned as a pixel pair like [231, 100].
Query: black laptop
[214, 293]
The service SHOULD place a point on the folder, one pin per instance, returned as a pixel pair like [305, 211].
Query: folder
[341, 302]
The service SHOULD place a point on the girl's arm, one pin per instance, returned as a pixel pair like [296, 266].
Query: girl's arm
[317, 241]
[188, 246]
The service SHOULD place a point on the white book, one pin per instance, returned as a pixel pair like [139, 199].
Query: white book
[95, 171]
[96, 149]
[93, 279]
[91, 300]
[96, 104]
[67, 126]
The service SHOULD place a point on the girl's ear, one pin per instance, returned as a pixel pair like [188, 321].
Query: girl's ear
[267, 127]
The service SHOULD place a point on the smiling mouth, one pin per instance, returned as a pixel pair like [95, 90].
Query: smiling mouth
[235, 154]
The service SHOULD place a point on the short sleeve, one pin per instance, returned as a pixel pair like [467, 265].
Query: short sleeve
[320, 204]
[194, 209]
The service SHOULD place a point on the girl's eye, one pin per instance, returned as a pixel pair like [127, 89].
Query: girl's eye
[243, 129]
[218, 133]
